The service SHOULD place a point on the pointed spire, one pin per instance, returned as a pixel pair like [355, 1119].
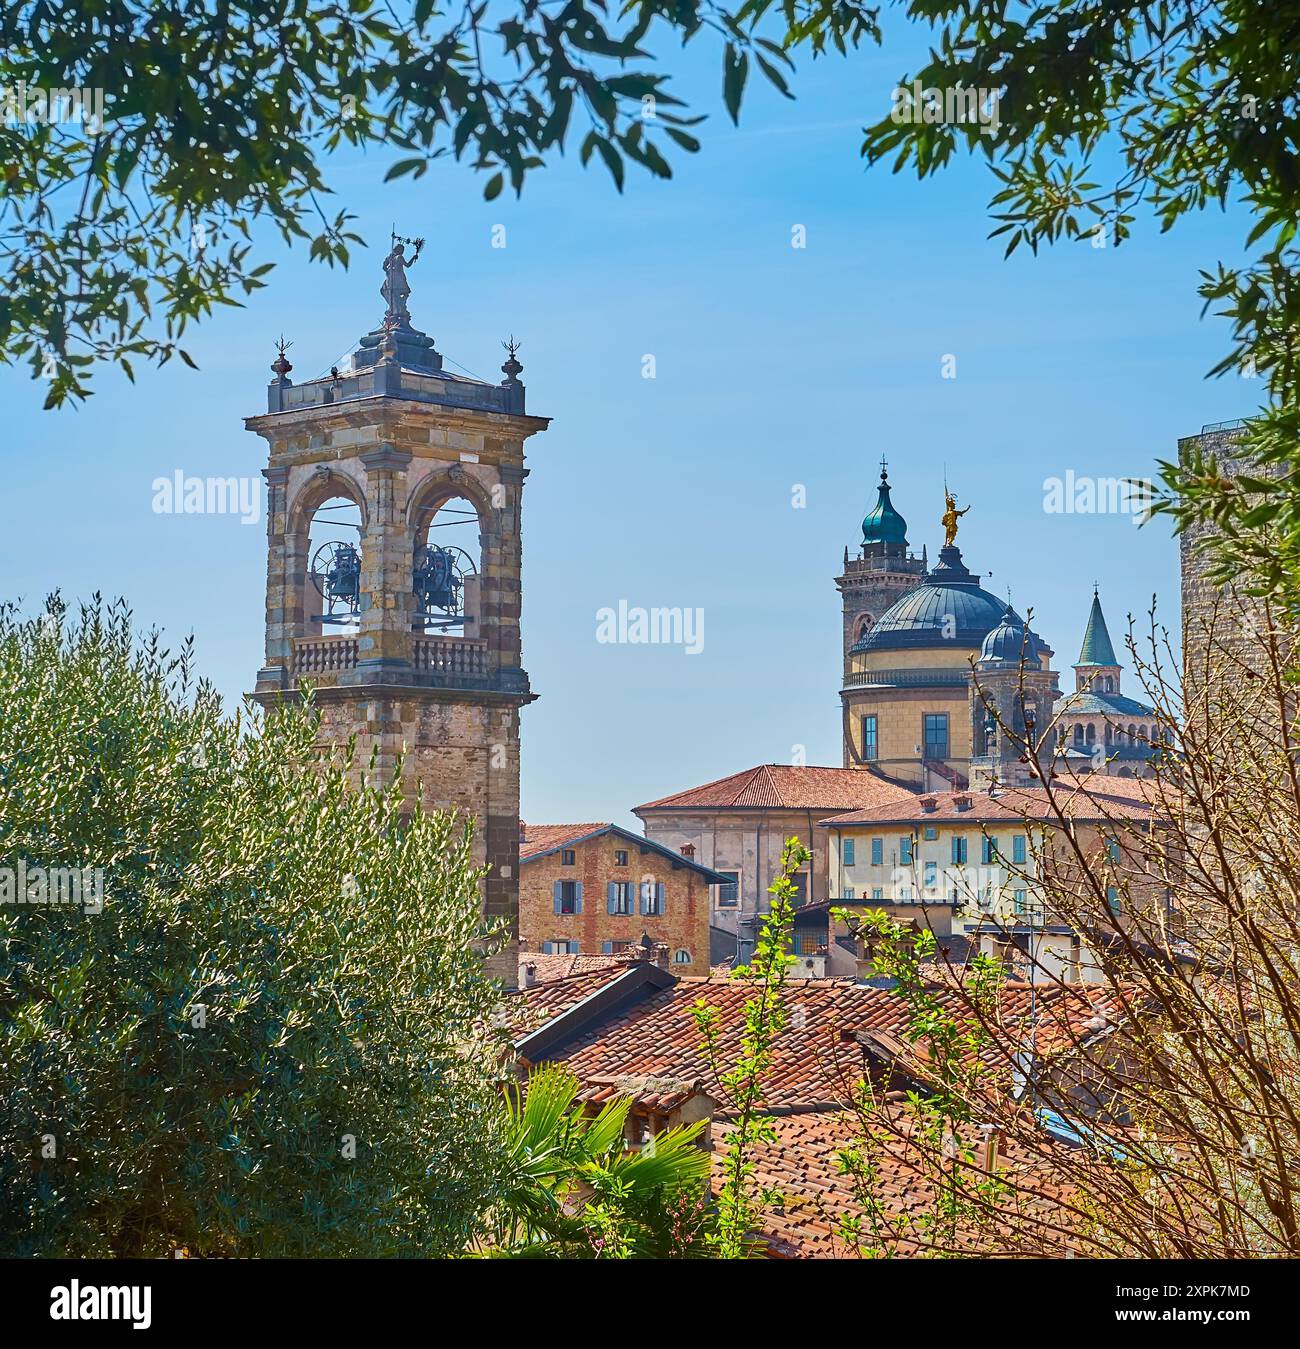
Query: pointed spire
[1097, 648]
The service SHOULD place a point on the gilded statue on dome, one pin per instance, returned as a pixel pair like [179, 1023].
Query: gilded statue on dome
[950, 517]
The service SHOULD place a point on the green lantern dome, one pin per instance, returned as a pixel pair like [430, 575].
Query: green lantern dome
[884, 524]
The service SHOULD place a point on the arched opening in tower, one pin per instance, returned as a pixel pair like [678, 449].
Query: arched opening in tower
[332, 593]
[446, 569]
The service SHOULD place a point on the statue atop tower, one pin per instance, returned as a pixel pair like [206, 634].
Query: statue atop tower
[396, 290]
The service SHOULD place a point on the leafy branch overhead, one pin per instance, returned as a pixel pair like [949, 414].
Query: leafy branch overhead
[128, 219]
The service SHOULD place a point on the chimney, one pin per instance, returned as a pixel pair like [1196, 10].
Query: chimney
[660, 956]
[961, 801]
[530, 975]
[688, 849]
[929, 804]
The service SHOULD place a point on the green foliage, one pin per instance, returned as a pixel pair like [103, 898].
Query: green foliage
[272, 1040]
[932, 1127]
[217, 118]
[740, 1202]
[574, 1191]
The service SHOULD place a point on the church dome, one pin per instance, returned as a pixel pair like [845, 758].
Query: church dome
[1009, 640]
[948, 609]
[883, 524]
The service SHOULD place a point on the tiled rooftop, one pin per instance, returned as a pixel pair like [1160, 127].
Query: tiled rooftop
[803, 1165]
[540, 838]
[816, 1060]
[785, 787]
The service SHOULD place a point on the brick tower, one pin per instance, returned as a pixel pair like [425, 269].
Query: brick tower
[431, 664]
[882, 572]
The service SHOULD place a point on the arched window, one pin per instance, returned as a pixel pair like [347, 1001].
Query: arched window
[681, 956]
[1132, 734]
[1091, 733]
[1078, 733]
[331, 592]
[446, 568]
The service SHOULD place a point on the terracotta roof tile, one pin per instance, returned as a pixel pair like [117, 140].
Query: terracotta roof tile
[785, 787]
[816, 1060]
[539, 838]
[802, 1164]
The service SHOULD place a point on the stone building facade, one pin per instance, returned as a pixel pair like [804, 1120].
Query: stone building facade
[882, 572]
[1220, 624]
[398, 436]
[598, 889]
[738, 826]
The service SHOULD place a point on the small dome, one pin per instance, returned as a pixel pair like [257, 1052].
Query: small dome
[1009, 640]
[884, 524]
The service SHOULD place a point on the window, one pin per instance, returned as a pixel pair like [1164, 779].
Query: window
[936, 735]
[905, 850]
[652, 898]
[931, 874]
[989, 850]
[877, 851]
[620, 857]
[1021, 903]
[870, 737]
[729, 894]
[568, 857]
[931, 833]
[1112, 850]
[800, 879]
[1113, 900]
[849, 892]
[905, 894]
[560, 948]
[681, 956]
[619, 898]
[959, 850]
[1018, 850]
[567, 896]
[877, 892]
[846, 852]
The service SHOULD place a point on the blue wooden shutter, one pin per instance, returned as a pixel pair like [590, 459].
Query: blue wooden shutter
[555, 895]
[612, 898]
[546, 948]
[659, 895]
[577, 896]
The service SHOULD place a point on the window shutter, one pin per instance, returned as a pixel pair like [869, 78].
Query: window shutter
[546, 948]
[555, 896]
[577, 896]
[643, 895]
[659, 896]
[611, 901]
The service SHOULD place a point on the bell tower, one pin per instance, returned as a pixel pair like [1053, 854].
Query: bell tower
[881, 572]
[411, 642]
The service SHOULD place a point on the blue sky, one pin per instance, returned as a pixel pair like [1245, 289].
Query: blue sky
[775, 367]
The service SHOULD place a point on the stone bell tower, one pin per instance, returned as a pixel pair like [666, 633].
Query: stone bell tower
[882, 571]
[431, 664]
